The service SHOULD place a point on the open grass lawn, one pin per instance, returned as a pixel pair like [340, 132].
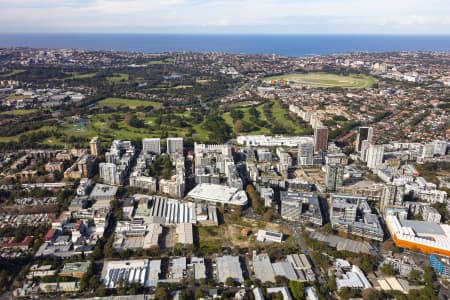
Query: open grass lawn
[16, 137]
[101, 124]
[76, 129]
[201, 134]
[122, 77]
[203, 81]
[12, 73]
[52, 142]
[244, 104]
[76, 75]
[183, 87]
[247, 116]
[278, 113]
[228, 119]
[95, 128]
[161, 62]
[325, 80]
[16, 97]
[6, 139]
[131, 103]
[19, 112]
[166, 86]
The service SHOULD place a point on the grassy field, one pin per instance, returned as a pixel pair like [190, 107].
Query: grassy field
[131, 103]
[200, 133]
[183, 87]
[166, 86]
[325, 80]
[76, 75]
[19, 112]
[161, 62]
[16, 137]
[101, 125]
[118, 78]
[17, 97]
[112, 126]
[227, 117]
[278, 114]
[12, 73]
[202, 81]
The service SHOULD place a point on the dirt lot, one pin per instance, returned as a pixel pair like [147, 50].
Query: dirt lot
[229, 234]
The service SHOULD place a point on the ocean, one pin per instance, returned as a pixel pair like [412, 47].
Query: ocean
[287, 45]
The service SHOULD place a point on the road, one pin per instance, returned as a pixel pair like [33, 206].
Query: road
[249, 213]
[301, 242]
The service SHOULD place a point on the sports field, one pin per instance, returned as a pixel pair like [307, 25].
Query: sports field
[131, 103]
[325, 80]
[118, 78]
[19, 112]
[12, 73]
[76, 75]
[161, 62]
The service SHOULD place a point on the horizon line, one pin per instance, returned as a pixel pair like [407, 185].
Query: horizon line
[232, 33]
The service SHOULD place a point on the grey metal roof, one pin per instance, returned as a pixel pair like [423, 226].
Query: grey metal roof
[421, 227]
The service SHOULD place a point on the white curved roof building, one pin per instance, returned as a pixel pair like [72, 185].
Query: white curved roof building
[219, 194]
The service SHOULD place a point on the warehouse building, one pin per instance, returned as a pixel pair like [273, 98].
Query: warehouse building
[342, 244]
[285, 269]
[229, 266]
[152, 237]
[262, 267]
[396, 284]
[131, 271]
[184, 234]
[171, 211]
[295, 267]
[207, 214]
[177, 269]
[302, 266]
[154, 273]
[198, 264]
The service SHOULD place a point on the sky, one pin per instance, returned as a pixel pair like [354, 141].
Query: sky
[226, 16]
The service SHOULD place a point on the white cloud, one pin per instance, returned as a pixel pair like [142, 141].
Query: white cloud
[316, 16]
[130, 6]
